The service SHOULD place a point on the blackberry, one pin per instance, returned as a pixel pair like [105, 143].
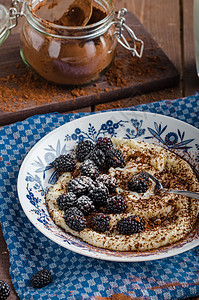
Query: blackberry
[109, 181]
[104, 143]
[79, 185]
[64, 163]
[89, 169]
[85, 204]
[66, 200]
[130, 225]
[115, 205]
[98, 156]
[73, 211]
[139, 183]
[114, 158]
[4, 290]
[41, 278]
[100, 222]
[74, 218]
[99, 194]
[83, 149]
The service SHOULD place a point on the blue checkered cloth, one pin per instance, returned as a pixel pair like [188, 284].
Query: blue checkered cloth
[76, 276]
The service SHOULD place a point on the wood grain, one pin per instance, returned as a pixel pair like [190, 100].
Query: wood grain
[162, 19]
[190, 80]
[170, 24]
[4, 266]
[154, 71]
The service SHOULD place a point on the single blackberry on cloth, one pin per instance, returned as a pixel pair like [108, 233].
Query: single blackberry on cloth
[4, 290]
[64, 163]
[83, 149]
[114, 158]
[104, 143]
[79, 185]
[130, 225]
[85, 204]
[99, 194]
[109, 181]
[100, 222]
[74, 218]
[41, 278]
[98, 156]
[139, 183]
[89, 169]
[66, 200]
[115, 205]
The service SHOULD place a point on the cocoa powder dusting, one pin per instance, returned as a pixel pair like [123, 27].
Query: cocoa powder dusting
[126, 70]
[20, 89]
[71, 17]
[53, 4]
[96, 16]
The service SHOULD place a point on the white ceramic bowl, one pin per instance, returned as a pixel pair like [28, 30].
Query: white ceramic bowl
[36, 172]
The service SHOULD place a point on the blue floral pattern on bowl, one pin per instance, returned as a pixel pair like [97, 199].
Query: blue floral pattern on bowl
[38, 172]
[172, 140]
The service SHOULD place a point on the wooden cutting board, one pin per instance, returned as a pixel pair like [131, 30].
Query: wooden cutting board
[22, 94]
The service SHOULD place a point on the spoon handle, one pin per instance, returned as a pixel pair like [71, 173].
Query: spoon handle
[183, 193]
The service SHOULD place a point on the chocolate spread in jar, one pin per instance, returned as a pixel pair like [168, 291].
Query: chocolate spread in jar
[67, 61]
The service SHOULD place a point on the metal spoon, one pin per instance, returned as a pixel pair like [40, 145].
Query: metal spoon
[159, 187]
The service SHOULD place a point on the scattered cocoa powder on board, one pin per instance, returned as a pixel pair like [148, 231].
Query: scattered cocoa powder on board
[24, 90]
[20, 89]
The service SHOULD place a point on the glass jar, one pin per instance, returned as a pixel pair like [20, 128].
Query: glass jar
[69, 55]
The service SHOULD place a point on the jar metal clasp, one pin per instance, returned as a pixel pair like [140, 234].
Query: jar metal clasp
[120, 26]
[16, 11]
[9, 18]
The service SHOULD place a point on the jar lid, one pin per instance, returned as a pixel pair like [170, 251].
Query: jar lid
[4, 23]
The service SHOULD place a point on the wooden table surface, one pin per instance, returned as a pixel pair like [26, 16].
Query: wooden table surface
[171, 25]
